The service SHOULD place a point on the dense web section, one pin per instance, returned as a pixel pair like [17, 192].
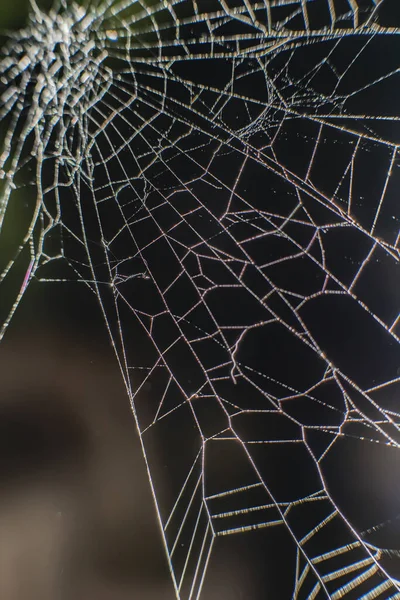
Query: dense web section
[224, 176]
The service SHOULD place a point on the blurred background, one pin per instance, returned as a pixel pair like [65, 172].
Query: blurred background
[77, 519]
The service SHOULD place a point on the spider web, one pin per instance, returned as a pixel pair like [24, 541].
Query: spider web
[224, 177]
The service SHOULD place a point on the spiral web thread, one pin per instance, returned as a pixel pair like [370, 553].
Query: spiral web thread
[223, 176]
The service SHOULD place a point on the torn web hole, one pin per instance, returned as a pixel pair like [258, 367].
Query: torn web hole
[229, 193]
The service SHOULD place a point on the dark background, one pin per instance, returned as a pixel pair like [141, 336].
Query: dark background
[59, 326]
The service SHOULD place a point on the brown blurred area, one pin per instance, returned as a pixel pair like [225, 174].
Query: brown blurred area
[77, 519]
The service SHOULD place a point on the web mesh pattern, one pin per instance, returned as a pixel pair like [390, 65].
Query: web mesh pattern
[224, 177]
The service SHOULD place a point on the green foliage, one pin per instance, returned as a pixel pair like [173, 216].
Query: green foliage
[13, 14]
